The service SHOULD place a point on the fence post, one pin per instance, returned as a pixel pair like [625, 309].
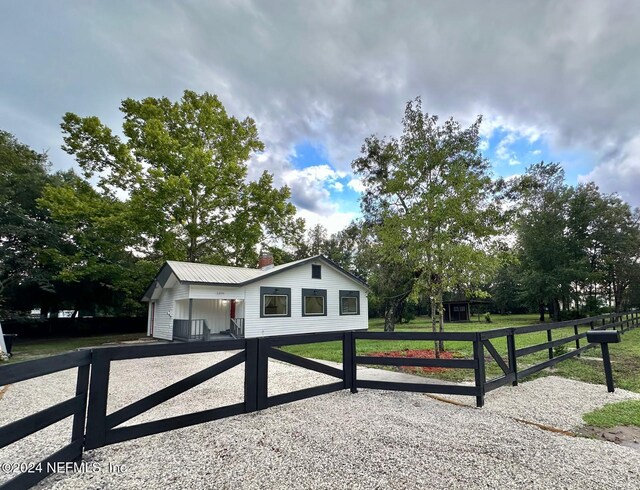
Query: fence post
[262, 375]
[511, 352]
[575, 332]
[251, 376]
[80, 417]
[550, 339]
[347, 361]
[478, 356]
[354, 365]
[98, 393]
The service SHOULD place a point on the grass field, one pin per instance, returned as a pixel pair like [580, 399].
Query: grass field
[625, 356]
[614, 414]
[26, 349]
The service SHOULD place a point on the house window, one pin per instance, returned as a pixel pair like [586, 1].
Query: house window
[316, 272]
[275, 302]
[314, 302]
[349, 302]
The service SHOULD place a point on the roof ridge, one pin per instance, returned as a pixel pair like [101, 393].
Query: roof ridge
[213, 265]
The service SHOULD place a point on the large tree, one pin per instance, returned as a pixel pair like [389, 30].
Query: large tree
[98, 270]
[27, 276]
[430, 200]
[549, 266]
[184, 168]
[576, 245]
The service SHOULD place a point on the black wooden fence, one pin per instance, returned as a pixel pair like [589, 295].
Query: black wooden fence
[103, 429]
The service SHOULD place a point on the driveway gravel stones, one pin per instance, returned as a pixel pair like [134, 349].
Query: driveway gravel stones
[373, 439]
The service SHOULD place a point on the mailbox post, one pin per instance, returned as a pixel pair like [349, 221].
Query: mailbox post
[604, 338]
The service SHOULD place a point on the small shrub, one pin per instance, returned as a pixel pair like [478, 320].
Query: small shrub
[487, 317]
[559, 350]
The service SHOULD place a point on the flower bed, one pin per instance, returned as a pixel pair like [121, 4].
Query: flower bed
[418, 354]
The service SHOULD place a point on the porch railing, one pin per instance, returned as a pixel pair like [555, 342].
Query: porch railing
[237, 327]
[197, 329]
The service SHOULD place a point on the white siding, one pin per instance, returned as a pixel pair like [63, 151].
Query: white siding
[298, 278]
[215, 311]
[198, 291]
[165, 310]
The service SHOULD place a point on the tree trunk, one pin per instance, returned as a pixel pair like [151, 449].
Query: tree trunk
[436, 346]
[390, 318]
[441, 321]
[541, 309]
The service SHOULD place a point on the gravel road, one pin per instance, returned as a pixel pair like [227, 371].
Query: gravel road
[372, 439]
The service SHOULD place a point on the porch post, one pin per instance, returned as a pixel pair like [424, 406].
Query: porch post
[190, 314]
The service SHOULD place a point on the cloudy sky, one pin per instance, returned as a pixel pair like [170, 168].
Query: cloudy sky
[554, 80]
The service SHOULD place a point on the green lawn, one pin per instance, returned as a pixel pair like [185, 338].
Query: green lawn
[26, 349]
[625, 356]
[614, 414]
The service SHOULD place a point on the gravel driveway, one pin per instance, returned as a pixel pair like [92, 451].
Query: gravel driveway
[372, 439]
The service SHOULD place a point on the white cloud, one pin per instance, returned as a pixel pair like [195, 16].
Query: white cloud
[333, 222]
[310, 187]
[357, 185]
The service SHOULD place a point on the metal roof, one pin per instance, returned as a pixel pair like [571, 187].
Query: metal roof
[222, 275]
[218, 274]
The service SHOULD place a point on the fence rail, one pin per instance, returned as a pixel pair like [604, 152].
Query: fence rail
[190, 330]
[89, 404]
[75, 406]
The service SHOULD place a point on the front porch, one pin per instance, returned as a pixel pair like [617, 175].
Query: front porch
[199, 330]
[208, 319]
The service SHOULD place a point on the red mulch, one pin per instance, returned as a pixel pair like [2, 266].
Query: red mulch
[416, 353]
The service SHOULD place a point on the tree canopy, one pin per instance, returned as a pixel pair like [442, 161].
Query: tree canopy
[184, 168]
[175, 182]
[430, 202]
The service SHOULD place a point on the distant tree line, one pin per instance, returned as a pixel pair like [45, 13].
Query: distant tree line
[435, 222]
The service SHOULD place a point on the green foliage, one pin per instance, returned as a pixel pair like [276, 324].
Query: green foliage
[26, 232]
[559, 350]
[430, 207]
[64, 245]
[487, 317]
[615, 414]
[184, 167]
[575, 245]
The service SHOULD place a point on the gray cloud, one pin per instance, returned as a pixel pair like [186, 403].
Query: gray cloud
[334, 72]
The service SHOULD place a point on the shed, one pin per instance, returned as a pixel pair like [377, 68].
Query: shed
[191, 301]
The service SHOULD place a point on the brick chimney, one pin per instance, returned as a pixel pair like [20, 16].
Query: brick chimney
[265, 262]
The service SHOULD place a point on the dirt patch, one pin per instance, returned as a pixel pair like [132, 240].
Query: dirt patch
[416, 354]
[623, 435]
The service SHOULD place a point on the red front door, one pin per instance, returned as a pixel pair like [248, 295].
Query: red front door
[232, 309]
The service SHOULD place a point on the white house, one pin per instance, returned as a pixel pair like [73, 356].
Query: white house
[189, 301]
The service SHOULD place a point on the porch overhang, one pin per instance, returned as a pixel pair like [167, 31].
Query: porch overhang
[197, 291]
